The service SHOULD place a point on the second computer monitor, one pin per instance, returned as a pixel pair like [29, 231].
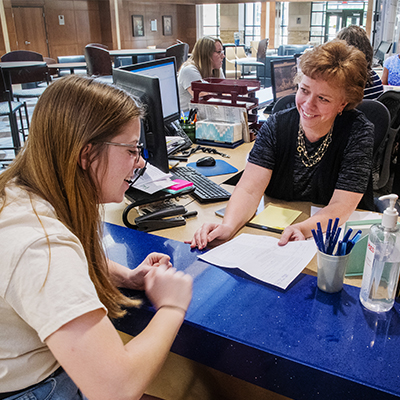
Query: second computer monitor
[381, 51]
[164, 69]
[147, 90]
[283, 73]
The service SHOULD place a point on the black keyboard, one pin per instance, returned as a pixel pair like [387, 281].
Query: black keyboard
[205, 190]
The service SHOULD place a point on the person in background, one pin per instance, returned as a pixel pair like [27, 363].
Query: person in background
[205, 62]
[356, 36]
[391, 71]
[319, 151]
[58, 291]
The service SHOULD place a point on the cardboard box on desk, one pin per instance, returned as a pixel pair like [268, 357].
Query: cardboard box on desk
[219, 131]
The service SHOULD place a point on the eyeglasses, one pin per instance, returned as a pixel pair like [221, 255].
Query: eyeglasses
[220, 52]
[138, 173]
[137, 149]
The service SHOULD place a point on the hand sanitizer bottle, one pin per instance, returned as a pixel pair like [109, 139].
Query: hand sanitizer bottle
[382, 261]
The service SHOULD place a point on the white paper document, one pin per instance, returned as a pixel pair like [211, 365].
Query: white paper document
[262, 258]
[153, 180]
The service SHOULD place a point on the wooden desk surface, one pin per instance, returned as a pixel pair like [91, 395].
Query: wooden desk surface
[206, 212]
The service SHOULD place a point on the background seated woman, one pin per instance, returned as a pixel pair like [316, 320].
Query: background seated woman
[319, 151]
[205, 62]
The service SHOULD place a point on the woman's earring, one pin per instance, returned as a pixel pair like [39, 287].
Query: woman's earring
[340, 113]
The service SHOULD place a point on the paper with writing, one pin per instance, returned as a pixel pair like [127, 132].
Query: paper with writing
[261, 257]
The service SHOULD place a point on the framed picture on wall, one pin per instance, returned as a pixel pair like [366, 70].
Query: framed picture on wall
[137, 25]
[167, 25]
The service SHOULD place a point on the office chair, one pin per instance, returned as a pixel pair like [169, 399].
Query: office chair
[180, 51]
[284, 103]
[29, 77]
[379, 115]
[261, 53]
[102, 46]
[98, 61]
[391, 99]
[9, 108]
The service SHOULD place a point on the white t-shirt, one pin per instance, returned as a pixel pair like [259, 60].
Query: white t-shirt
[37, 297]
[187, 75]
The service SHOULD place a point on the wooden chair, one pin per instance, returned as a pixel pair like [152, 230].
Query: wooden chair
[98, 61]
[30, 77]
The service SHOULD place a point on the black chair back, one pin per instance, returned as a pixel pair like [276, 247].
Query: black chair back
[284, 103]
[391, 99]
[379, 115]
[180, 51]
[98, 61]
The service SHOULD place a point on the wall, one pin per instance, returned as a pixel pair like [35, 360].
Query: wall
[183, 24]
[93, 21]
[229, 23]
[299, 23]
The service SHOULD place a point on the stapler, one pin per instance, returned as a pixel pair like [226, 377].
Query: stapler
[160, 219]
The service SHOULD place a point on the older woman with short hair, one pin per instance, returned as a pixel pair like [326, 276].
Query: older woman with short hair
[319, 151]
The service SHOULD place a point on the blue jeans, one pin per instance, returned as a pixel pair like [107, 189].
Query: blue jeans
[58, 387]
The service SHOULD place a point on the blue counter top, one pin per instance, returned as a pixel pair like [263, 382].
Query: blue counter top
[301, 342]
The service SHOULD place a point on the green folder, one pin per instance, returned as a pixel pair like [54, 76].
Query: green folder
[355, 265]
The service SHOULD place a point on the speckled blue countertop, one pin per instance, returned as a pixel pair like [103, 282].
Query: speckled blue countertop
[301, 343]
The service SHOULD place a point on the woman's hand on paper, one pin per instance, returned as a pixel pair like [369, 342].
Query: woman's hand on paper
[210, 233]
[167, 286]
[290, 234]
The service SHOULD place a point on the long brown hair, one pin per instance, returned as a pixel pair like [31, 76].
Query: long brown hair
[201, 57]
[71, 113]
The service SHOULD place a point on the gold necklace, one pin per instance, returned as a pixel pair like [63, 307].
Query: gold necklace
[310, 161]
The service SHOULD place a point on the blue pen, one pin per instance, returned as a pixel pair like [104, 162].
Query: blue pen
[343, 248]
[338, 251]
[347, 235]
[334, 241]
[356, 236]
[335, 225]
[320, 236]
[316, 240]
[353, 241]
[328, 233]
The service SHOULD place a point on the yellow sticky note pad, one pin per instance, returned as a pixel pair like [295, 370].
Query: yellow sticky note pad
[276, 217]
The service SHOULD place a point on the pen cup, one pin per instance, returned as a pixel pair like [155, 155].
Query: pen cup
[190, 130]
[331, 270]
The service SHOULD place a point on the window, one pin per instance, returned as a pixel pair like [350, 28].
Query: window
[252, 23]
[211, 21]
[327, 18]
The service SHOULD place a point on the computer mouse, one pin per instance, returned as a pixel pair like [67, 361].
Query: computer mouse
[205, 162]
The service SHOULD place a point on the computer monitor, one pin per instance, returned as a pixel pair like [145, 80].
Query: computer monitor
[383, 48]
[147, 89]
[164, 69]
[283, 73]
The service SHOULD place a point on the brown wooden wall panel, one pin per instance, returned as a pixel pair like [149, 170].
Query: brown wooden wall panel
[92, 21]
[186, 22]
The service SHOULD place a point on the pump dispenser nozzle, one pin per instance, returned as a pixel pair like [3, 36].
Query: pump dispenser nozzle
[389, 218]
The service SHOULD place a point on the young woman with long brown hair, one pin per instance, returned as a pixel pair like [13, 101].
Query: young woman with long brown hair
[58, 290]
